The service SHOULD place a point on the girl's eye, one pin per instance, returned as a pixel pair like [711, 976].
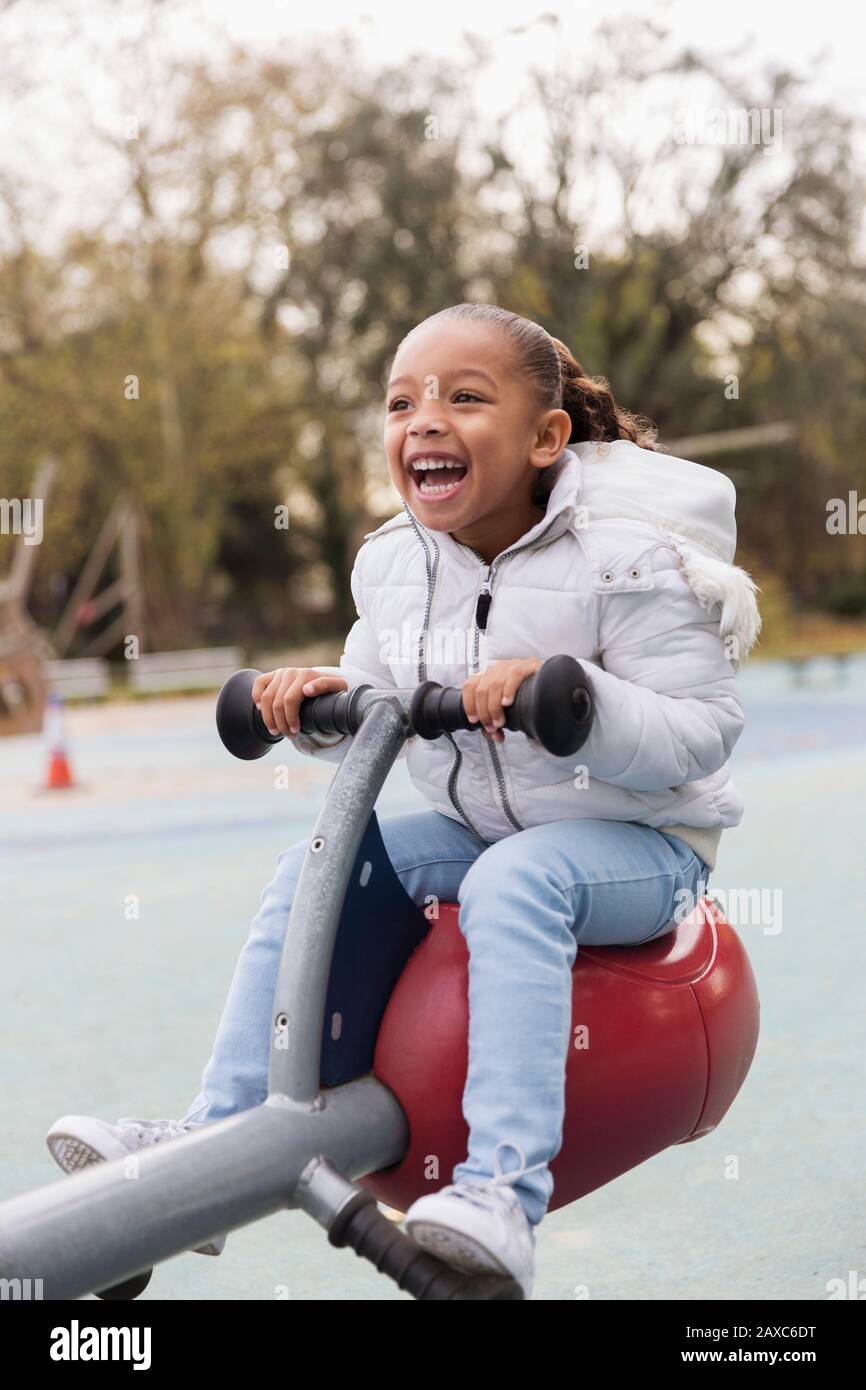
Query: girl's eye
[465, 392]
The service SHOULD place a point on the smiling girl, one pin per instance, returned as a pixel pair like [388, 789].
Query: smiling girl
[540, 518]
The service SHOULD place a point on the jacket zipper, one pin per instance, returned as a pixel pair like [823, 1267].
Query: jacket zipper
[482, 608]
[454, 770]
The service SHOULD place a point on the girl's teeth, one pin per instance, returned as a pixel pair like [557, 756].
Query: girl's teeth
[438, 487]
[436, 482]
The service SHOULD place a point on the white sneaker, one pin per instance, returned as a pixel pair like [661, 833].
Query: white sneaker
[479, 1226]
[77, 1141]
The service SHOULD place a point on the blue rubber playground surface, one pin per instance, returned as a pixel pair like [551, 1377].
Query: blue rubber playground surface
[127, 900]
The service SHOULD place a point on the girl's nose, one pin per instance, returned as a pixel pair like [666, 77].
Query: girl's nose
[433, 429]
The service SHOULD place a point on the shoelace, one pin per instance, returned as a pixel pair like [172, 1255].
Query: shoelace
[478, 1190]
[152, 1131]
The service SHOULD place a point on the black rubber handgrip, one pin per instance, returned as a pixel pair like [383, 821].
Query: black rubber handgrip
[239, 723]
[363, 1228]
[244, 733]
[553, 706]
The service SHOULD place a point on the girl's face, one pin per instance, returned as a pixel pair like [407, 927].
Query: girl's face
[453, 399]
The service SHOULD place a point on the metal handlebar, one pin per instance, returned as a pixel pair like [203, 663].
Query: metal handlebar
[553, 706]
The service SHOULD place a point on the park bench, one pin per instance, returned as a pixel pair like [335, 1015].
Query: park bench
[78, 678]
[201, 669]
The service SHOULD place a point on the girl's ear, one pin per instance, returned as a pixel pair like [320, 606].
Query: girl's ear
[554, 432]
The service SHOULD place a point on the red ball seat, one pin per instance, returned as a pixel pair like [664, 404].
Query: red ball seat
[673, 1027]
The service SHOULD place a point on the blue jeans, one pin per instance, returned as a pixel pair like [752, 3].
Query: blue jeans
[526, 902]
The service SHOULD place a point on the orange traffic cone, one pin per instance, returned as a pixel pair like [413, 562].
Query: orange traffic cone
[59, 773]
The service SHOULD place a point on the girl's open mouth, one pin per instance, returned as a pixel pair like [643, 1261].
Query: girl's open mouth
[437, 484]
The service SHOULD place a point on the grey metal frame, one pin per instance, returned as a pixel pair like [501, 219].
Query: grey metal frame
[301, 1148]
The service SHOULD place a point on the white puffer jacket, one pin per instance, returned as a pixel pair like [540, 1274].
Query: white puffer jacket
[630, 572]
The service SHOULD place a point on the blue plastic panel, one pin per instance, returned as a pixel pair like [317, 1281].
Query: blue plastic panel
[379, 928]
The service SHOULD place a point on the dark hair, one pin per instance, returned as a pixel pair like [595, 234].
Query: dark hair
[559, 380]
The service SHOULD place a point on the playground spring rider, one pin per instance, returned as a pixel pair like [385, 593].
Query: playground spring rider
[369, 1043]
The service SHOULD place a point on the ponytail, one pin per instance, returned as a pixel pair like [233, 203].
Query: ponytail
[593, 411]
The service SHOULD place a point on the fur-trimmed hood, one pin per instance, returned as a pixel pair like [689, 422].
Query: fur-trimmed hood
[694, 507]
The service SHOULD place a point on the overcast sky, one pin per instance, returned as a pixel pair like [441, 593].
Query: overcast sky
[41, 118]
[784, 30]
